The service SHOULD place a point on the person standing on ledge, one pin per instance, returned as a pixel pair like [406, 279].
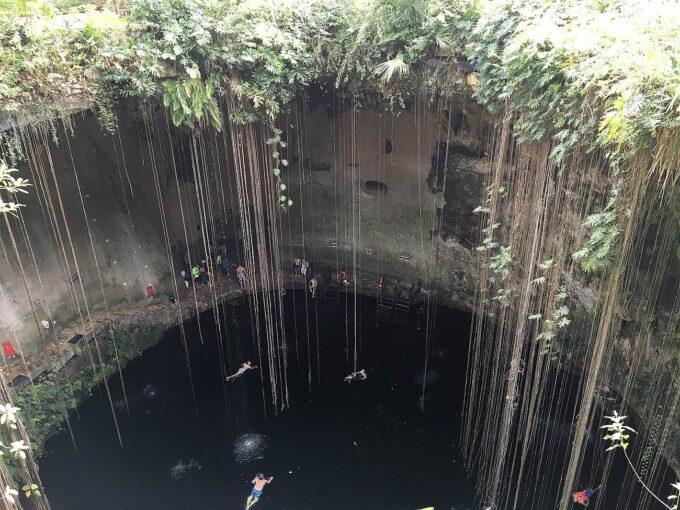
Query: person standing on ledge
[241, 274]
[258, 482]
[223, 264]
[342, 277]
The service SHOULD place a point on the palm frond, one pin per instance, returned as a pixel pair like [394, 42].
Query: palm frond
[393, 67]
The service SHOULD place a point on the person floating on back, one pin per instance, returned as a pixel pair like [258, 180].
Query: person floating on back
[244, 368]
[356, 376]
[258, 486]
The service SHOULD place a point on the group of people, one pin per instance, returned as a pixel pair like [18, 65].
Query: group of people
[301, 268]
[259, 482]
[200, 274]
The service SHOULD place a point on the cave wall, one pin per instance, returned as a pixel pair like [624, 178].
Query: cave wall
[414, 221]
[384, 188]
[120, 208]
[338, 153]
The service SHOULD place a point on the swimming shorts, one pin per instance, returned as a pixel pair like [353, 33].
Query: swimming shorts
[256, 493]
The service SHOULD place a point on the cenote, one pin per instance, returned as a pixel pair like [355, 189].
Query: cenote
[369, 444]
[469, 207]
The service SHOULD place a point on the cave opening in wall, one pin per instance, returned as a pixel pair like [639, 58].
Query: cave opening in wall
[374, 188]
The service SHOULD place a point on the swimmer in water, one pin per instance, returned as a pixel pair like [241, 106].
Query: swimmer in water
[258, 486]
[245, 367]
[356, 376]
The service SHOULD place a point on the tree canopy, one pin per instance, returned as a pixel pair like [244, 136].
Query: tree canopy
[595, 73]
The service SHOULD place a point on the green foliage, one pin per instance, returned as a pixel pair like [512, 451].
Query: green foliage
[600, 249]
[10, 185]
[420, 43]
[47, 402]
[617, 432]
[582, 74]
[47, 64]
[191, 100]
[275, 142]
[559, 319]
[44, 7]
[592, 74]
[30, 489]
[261, 52]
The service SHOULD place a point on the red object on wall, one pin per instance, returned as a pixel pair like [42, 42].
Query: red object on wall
[7, 347]
[149, 290]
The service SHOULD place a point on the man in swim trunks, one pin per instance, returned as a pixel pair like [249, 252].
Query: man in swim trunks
[356, 376]
[297, 265]
[242, 277]
[258, 486]
[246, 366]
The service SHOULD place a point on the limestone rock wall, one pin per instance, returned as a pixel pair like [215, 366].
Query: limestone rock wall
[107, 215]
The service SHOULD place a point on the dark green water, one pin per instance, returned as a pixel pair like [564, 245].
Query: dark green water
[342, 446]
[366, 445]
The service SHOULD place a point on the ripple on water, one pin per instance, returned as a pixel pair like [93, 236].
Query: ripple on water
[184, 470]
[250, 447]
[150, 392]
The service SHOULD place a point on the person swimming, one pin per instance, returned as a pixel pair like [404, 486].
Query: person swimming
[258, 486]
[244, 368]
[583, 497]
[356, 376]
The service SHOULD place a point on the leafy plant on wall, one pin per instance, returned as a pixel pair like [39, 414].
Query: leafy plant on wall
[192, 102]
[618, 434]
[9, 186]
